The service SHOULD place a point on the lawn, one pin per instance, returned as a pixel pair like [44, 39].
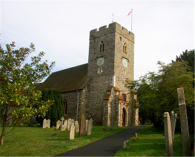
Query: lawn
[151, 142]
[36, 141]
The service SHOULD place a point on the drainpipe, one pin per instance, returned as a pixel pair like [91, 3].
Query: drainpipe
[77, 104]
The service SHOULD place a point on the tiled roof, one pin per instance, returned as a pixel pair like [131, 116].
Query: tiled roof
[67, 79]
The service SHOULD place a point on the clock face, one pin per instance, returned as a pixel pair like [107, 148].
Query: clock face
[125, 63]
[100, 61]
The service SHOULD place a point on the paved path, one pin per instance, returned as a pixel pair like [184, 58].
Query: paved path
[107, 146]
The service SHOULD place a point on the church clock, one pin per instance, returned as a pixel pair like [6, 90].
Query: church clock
[100, 61]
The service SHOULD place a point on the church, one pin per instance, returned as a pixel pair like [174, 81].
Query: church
[100, 84]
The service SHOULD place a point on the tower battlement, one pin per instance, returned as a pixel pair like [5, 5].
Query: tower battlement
[113, 27]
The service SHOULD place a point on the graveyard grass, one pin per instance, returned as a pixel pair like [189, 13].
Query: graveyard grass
[36, 141]
[151, 142]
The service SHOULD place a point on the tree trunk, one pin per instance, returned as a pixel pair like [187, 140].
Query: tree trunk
[4, 123]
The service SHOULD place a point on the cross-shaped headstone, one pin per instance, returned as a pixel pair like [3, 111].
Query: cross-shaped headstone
[62, 120]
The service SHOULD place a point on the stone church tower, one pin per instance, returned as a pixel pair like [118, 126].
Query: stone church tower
[110, 64]
[101, 82]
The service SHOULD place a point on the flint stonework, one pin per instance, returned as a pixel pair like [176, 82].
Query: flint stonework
[184, 122]
[168, 134]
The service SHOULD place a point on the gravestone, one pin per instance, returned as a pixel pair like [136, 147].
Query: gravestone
[65, 124]
[86, 124]
[48, 123]
[72, 131]
[136, 135]
[173, 123]
[62, 120]
[89, 127]
[184, 122]
[69, 123]
[44, 123]
[76, 126]
[58, 124]
[168, 134]
[72, 120]
[82, 126]
[124, 145]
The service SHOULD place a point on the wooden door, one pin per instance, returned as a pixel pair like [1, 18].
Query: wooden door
[123, 118]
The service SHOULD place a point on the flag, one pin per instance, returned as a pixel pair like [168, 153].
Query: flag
[129, 13]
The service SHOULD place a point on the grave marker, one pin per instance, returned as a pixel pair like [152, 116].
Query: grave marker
[65, 124]
[184, 122]
[44, 123]
[76, 126]
[69, 123]
[86, 124]
[72, 131]
[168, 134]
[82, 126]
[58, 124]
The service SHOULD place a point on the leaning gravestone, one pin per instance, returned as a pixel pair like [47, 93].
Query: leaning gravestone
[168, 134]
[58, 123]
[82, 126]
[184, 122]
[86, 124]
[76, 126]
[72, 120]
[71, 132]
[44, 123]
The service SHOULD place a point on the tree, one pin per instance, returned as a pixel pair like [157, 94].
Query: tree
[57, 110]
[157, 92]
[188, 56]
[17, 85]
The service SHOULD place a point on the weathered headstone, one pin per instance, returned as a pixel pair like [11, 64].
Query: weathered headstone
[48, 123]
[76, 126]
[72, 120]
[86, 124]
[62, 120]
[72, 131]
[136, 135]
[173, 121]
[82, 126]
[65, 124]
[58, 124]
[168, 134]
[44, 123]
[124, 145]
[69, 123]
[184, 122]
[89, 127]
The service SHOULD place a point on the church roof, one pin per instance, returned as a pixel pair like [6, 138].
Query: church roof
[67, 79]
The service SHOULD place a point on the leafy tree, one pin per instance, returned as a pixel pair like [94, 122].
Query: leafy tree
[17, 85]
[157, 92]
[188, 56]
[57, 110]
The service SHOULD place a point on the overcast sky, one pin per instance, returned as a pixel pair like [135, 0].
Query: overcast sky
[162, 29]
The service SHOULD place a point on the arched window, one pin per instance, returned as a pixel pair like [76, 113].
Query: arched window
[101, 46]
[65, 107]
[125, 48]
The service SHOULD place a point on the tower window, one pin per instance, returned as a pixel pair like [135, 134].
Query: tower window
[101, 46]
[100, 70]
[125, 48]
[124, 97]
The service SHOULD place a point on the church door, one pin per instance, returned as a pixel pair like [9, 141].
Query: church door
[123, 118]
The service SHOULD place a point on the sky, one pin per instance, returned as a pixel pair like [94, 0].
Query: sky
[162, 29]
